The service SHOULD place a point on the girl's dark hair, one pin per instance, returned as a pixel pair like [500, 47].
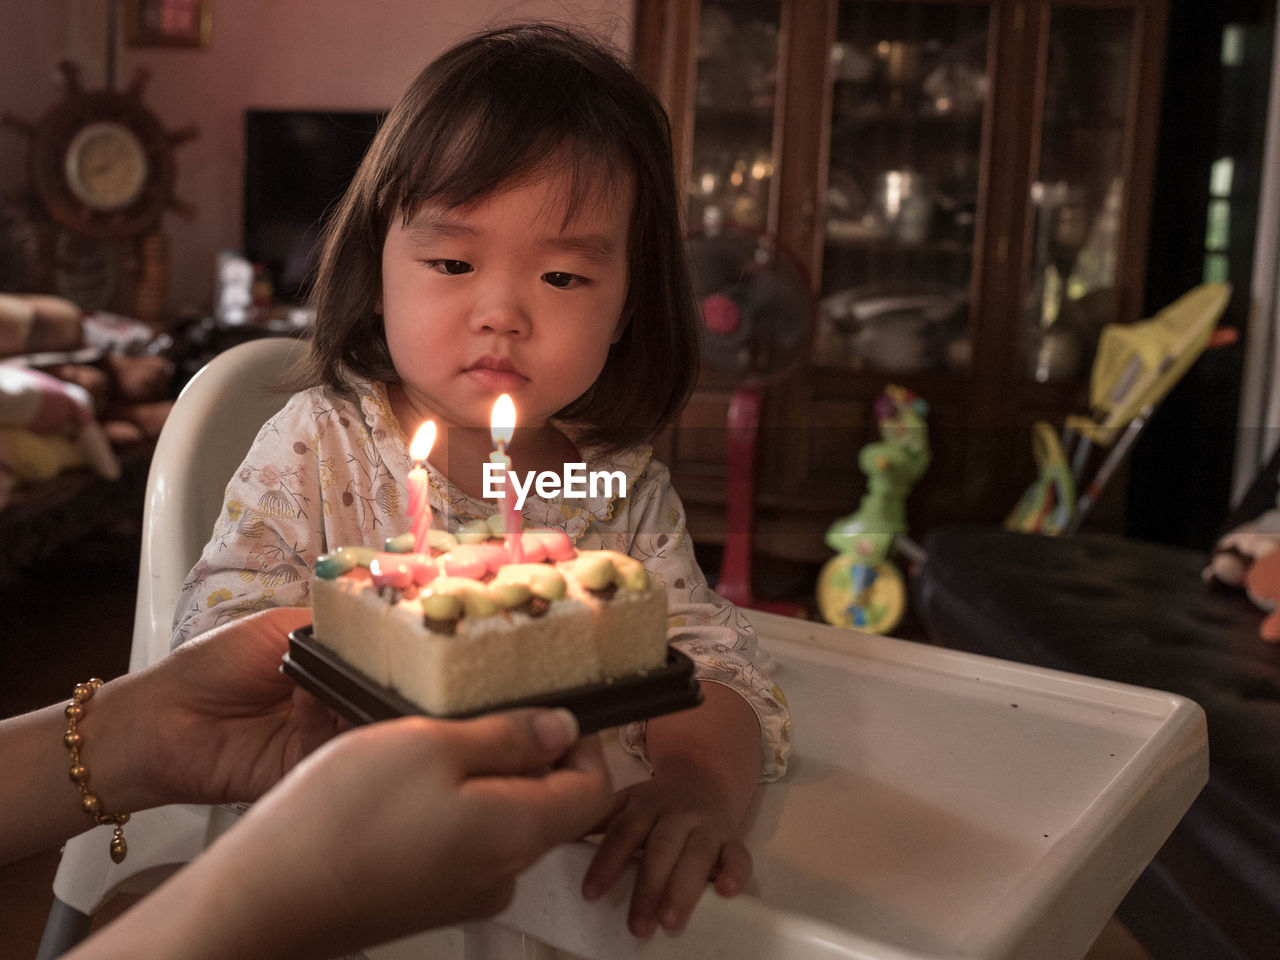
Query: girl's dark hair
[494, 109]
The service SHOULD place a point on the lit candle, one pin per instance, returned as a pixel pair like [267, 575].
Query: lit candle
[419, 498]
[502, 427]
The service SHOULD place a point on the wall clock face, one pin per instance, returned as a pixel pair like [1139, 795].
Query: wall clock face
[106, 166]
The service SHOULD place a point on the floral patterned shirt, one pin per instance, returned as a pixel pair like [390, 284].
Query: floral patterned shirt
[325, 472]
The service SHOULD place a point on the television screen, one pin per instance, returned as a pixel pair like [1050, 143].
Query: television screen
[297, 165]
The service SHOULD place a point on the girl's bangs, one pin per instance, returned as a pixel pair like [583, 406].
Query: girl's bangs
[471, 155]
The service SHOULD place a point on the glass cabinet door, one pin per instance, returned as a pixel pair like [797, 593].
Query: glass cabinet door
[909, 95]
[1078, 194]
[733, 152]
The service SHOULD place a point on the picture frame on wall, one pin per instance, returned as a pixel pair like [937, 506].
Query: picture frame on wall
[168, 23]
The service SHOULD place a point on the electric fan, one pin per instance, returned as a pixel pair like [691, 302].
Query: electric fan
[758, 312]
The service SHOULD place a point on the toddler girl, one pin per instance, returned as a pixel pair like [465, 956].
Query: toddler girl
[514, 228]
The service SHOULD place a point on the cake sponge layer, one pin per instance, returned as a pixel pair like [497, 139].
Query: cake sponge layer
[351, 618]
[630, 628]
[489, 660]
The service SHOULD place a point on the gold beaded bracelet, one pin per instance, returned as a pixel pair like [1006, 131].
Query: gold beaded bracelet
[89, 802]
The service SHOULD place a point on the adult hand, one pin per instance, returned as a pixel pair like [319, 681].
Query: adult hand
[216, 720]
[225, 723]
[389, 829]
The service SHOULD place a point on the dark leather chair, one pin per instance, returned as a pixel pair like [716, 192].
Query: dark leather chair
[1139, 613]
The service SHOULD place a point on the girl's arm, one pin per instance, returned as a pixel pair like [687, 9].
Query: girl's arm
[271, 525]
[706, 761]
[713, 632]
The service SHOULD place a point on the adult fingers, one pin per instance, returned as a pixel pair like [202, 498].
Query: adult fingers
[240, 660]
[315, 722]
[282, 619]
[270, 627]
[511, 742]
[558, 806]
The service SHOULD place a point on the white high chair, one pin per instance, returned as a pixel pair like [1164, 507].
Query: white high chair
[212, 424]
[923, 818]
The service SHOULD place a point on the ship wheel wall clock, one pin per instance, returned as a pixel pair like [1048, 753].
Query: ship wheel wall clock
[102, 169]
[101, 163]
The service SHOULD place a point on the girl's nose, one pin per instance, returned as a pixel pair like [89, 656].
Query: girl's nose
[500, 312]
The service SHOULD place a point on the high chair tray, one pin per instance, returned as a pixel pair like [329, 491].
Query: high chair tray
[668, 688]
[937, 806]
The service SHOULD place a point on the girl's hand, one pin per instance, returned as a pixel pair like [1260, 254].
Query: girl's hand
[687, 829]
[224, 723]
[688, 818]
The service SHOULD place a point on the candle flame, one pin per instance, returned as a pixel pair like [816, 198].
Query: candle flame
[423, 441]
[502, 423]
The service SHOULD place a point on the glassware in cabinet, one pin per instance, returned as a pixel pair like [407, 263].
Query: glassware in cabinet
[732, 154]
[1077, 198]
[908, 101]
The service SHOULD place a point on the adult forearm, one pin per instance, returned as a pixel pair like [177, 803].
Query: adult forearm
[41, 804]
[198, 914]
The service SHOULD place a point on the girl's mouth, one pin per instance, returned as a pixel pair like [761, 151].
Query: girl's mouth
[495, 373]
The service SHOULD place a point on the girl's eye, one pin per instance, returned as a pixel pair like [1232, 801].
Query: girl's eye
[563, 280]
[451, 267]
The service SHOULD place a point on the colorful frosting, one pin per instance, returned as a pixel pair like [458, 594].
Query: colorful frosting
[600, 570]
[469, 574]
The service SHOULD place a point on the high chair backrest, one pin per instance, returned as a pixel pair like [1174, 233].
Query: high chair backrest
[204, 439]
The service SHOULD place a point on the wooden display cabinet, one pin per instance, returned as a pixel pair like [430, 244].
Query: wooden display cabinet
[967, 186]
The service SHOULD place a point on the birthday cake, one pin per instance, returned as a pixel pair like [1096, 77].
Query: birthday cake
[462, 625]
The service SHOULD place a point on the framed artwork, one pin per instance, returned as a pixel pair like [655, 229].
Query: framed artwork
[168, 23]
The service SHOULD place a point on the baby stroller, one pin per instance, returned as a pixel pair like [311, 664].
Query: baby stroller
[1136, 366]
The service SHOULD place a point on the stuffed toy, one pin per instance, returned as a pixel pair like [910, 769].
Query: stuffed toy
[1263, 585]
[34, 323]
[1248, 557]
[36, 405]
[130, 393]
[31, 458]
[1237, 551]
[96, 386]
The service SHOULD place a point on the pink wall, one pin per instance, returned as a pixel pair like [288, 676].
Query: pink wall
[285, 53]
[31, 39]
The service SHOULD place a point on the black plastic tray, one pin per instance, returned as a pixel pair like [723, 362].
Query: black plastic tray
[597, 706]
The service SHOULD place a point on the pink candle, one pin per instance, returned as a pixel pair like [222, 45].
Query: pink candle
[502, 427]
[419, 497]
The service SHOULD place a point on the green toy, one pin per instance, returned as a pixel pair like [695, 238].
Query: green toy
[861, 587]
[1048, 505]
